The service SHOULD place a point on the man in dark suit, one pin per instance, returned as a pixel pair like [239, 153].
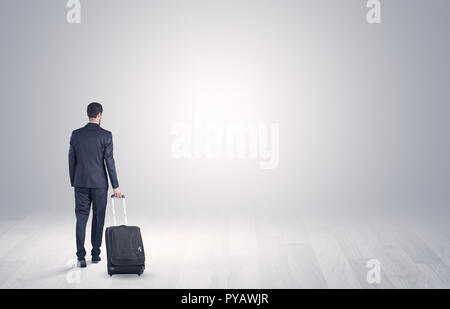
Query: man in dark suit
[91, 148]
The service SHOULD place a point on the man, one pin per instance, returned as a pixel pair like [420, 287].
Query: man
[90, 148]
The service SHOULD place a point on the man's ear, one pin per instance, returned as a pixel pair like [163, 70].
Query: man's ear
[99, 116]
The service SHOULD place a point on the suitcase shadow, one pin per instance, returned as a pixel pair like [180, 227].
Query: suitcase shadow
[126, 276]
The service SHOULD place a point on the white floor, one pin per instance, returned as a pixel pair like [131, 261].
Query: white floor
[232, 251]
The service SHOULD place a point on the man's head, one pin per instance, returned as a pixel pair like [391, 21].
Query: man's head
[94, 112]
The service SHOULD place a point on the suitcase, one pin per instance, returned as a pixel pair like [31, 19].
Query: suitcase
[124, 246]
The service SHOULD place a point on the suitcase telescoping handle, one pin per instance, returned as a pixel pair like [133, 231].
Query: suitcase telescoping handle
[124, 209]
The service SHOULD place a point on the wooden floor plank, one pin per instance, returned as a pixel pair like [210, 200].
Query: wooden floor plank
[333, 263]
[304, 268]
[229, 252]
[273, 263]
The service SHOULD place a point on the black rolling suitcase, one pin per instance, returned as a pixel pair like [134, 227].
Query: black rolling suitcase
[124, 247]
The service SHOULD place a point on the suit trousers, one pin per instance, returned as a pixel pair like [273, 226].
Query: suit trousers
[84, 197]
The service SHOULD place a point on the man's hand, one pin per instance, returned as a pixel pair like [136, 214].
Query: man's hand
[117, 193]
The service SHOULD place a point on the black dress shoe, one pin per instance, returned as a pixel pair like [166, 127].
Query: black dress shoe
[96, 259]
[82, 263]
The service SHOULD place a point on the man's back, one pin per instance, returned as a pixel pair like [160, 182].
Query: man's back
[90, 148]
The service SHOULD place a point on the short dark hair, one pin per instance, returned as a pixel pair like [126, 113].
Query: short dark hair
[94, 109]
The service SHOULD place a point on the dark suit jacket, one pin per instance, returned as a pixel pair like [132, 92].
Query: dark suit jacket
[90, 148]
